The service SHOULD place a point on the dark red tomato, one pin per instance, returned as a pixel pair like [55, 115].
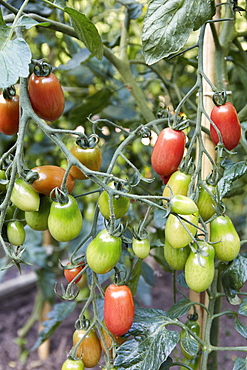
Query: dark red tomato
[71, 273]
[46, 96]
[225, 118]
[119, 309]
[9, 115]
[49, 178]
[168, 151]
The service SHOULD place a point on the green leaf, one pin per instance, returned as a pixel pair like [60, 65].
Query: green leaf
[234, 277]
[134, 8]
[240, 327]
[28, 22]
[86, 31]
[169, 23]
[190, 345]
[180, 308]
[76, 60]
[148, 273]
[2, 23]
[232, 172]
[240, 364]
[46, 282]
[152, 344]
[55, 317]
[243, 308]
[135, 276]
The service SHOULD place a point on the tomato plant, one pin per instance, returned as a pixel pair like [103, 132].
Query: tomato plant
[89, 348]
[119, 309]
[168, 151]
[70, 364]
[9, 112]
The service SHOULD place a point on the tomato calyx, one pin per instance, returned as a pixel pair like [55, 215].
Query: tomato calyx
[219, 98]
[82, 324]
[60, 196]
[9, 92]
[41, 68]
[87, 142]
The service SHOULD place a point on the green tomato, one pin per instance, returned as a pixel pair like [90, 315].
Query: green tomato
[183, 205]
[65, 220]
[199, 268]
[141, 248]
[15, 233]
[189, 345]
[120, 204]
[2, 183]
[224, 233]
[178, 183]
[24, 196]
[175, 233]
[103, 252]
[206, 203]
[38, 220]
[70, 364]
[176, 258]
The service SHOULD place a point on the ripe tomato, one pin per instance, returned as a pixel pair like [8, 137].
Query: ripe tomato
[9, 114]
[225, 118]
[16, 233]
[109, 341]
[178, 184]
[72, 272]
[205, 202]
[49, 178]
[89, 348]
[176, 258]
[199, 268]
[186, 338]
[65, 220]
[168, 151]
[24, 196]
[70, 364]
[225, 238]
[38, 220]
[141, 248]
[175, 233]
[103, 252]
[46, 96]
[89, 157]
[120, 204]
[183, 205]
[119, 309]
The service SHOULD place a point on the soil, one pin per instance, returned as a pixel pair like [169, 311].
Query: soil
[15, 311]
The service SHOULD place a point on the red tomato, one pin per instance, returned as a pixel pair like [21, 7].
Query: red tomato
[70, 274]
[9, 115]
[46, 96]
[119, 309]
[49, 178]
[168, 151]
[225, 117]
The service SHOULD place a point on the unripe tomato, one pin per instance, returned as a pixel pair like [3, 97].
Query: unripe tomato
[179, 184]
[175, 233]
[225, 118]
[16, 233]
[24, 196]
[223, 231]
[199, 269]
[49, 178]
[168, 151]
[71, 273]
[103, 252]
[38, 220]
[120, 204]
[194, 326]
[89, 157]
[183, 205]
[141, 248]
[119, 309]
[9, 115]
[46, 96]
[205, 202]
[109, 341]
[65, 220]
[176, 258]
[2, 177]
[89, 349]
[70, 364]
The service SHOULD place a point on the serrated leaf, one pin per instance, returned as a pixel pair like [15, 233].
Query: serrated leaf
[233, 171]
[154, 346]
[243, 308]
[55, 317]
[180, 308]
[28, 22]
[240, 364]
[86, 31]
[240, 327]
[169, 23]
[234, 277]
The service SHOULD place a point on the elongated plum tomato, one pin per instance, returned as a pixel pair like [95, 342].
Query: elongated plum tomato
[9, 115]
[225, 238]
[205, 202]
[225, 118]
[24, 196]
[119, 309]
[46, 96]
[65, 220]
[168, 151]
[178, 184]
[49, 178]
[16, 233]
[199, 268]
[183, 205]
[89, 348]
[71, 273]
[38, 220]
[120, 204]
[3, 179]
[89, 157]
[141, 248]
[176, 258]
[103, 252]
[70, 364]
[186, 339]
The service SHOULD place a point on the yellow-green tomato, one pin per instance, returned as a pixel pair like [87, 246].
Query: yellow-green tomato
[223, 231]
[175, 232]
[141, 248]
[2, 181]
[178, 183]
[38, 220]
[24, 196]
[199, 268]
[205, 202]
[120, 205]
[176, 258]
[16, 233]
[183, 205]
[70, 364]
